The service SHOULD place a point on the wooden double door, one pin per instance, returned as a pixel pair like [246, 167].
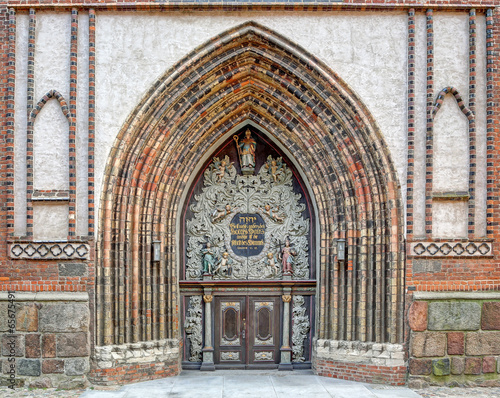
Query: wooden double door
[247, 332]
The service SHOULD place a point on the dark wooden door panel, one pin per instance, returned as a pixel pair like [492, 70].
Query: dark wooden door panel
[230, 333]
[264, 330]
[247, 331]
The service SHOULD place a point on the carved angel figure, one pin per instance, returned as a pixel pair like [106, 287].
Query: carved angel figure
[221, 214]
[224, 265]
[271, 213]
[221, 168]
[271, 263]
[274, 167]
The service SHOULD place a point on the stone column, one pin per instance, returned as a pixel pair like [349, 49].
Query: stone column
[208, 349]
[286, 351]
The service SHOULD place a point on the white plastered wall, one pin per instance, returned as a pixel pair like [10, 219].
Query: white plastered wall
[368, 51]
[451, 150]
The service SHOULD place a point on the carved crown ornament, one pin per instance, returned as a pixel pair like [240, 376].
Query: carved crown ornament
[249, 225]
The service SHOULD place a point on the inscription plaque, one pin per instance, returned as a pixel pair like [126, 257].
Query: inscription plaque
[247, 234]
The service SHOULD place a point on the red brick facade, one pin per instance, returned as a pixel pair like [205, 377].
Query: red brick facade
[144, 174]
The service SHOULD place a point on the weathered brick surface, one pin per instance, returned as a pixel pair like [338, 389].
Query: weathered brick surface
[428, 344]
[29, 367]
[482, 343]
[489, 364]
[33, 349]
[27, 318]
[441, 367]
[72, 345]
[64, 318]
[473, 366]
[52, 366]
[457, 365]
[491, 316]
[454, 315]
[49, 345]
[13, 344]
[420, 366]
[417, 316]
[76, 366]
[456, 343]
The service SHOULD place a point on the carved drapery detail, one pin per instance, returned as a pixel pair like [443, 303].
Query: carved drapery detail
[269, 194]
[194, 328]
[300, 328]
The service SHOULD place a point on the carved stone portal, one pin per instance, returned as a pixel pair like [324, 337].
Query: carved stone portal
[254, 224]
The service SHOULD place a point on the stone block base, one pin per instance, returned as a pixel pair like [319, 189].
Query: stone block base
[49, 347]
[455, 339]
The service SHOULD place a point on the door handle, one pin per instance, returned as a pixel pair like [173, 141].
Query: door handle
[243, 332]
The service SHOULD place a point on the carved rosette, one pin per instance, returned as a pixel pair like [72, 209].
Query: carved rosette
[194, 328]
[300, 328]
[226, 194]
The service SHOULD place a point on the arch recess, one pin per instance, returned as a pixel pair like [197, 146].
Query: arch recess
[251, 74]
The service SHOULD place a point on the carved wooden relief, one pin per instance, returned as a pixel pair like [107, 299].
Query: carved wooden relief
[246, 222]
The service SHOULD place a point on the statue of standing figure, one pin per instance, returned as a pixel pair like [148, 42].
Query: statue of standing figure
[246, 151]
[287, 254]
[208, 259]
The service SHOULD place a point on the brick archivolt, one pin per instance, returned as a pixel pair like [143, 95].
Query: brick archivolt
[250, 74]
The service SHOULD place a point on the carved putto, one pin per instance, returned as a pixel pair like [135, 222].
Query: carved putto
[246, 218]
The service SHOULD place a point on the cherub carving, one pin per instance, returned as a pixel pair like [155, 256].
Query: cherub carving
[272, 264]
[221, 214]
[274, 167]
[271, 213]
[224, 265]
[221, 167]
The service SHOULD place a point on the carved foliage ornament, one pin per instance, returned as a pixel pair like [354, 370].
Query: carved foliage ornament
[194, 328]
[300, 328]
[267, 209]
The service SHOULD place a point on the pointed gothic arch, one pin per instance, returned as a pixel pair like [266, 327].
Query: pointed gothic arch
[250, 73]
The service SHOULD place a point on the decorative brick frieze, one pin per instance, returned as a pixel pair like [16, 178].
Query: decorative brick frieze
[49, 250]
[429, 138]
[472, 125]
[411, 90]
[91, 126]
[451, 249]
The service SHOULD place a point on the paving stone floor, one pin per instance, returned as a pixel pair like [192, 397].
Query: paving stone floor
[256, 384]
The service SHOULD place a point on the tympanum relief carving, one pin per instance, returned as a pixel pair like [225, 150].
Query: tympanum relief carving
[248, 225]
